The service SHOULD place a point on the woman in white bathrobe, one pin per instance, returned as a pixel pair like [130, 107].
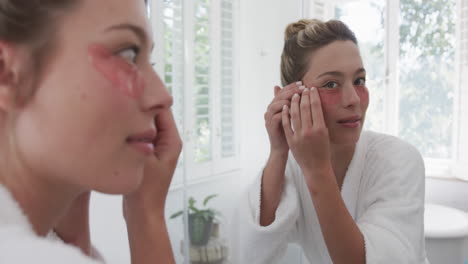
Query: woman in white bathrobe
[81, 109]
[344, 195]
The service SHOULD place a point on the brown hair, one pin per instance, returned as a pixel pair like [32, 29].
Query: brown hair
[33, 24]
[304, 37]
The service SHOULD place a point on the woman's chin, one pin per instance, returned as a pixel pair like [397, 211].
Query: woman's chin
[121, 183]
[346, 138]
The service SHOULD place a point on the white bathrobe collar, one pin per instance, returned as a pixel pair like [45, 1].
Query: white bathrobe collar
[17, 237]
[353, 176]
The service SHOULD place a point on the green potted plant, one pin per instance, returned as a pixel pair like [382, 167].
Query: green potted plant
[200, 221]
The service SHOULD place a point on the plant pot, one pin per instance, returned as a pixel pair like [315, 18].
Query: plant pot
[200, 229]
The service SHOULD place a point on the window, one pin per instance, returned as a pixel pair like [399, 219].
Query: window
[371, 39]
[427, 75]
[228, 132]
[319, 9]
[461, 163]
[197, 63]
[195, 55]
[410, 53]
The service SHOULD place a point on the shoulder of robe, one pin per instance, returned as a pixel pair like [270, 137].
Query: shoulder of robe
[390, 161]
[390, 150]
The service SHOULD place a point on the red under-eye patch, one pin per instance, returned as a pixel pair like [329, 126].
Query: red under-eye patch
[333, 97]
[329, 97]
[124, 76]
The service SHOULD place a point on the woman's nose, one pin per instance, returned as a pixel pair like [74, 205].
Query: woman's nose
[350, 97]
[156, 96]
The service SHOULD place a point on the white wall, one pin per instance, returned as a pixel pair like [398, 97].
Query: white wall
[262, 36]
[262, 26]
[108, 230]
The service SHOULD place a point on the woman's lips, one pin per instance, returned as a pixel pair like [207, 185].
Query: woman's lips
[351, 122]
[143, 142]
[145, 148]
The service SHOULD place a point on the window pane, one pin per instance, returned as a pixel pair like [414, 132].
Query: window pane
[173, 57]
[173, 63]
[366, 19]
[427, 75]
[202, 49]
[227, 77]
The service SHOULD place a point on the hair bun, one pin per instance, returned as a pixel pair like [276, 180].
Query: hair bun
[293, 29]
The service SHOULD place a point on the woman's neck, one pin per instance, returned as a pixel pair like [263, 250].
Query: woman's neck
[341, 156]
[42, 201]
[73, 228]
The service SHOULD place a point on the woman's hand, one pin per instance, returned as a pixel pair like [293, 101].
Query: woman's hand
[144, 208]
[159, 169]
[273, 174]
[310, 144]
[278, 143]
[308, 137]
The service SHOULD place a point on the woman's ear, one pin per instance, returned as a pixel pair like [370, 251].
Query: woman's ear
[7, 75]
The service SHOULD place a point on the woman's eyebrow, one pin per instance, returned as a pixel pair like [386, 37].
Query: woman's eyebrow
[361, 70]
[137, 30]
[340, 74]
[333, 73]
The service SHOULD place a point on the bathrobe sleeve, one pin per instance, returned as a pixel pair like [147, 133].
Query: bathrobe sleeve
[392, 221]
[20, 247]
[252, 243]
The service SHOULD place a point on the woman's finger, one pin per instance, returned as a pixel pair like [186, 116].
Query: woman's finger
[277, 106]
[295, 112]
[276, 118]
[292, 86]
[306, 117]
[168, 142]
[316, 108]
[288, 92]
[286, 121]
[276, 90]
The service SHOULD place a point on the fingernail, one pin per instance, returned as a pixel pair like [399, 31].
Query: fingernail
[311, 89]
[285, 107]
[306, 89]
[299, 83]
[302, 87]
[295, 95]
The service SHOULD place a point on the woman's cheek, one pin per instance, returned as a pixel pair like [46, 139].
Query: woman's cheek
[363, 94]
[125, 78]
[329, 97]
[329, 100]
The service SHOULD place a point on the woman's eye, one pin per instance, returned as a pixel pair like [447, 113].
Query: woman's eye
[330, 85]
[360, 82]
[129, 54]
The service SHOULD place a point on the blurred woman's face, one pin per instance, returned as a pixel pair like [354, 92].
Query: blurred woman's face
[91, 120]
[338, 73]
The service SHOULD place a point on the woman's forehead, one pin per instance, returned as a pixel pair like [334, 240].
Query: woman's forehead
[102, 14]
[338, 57]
